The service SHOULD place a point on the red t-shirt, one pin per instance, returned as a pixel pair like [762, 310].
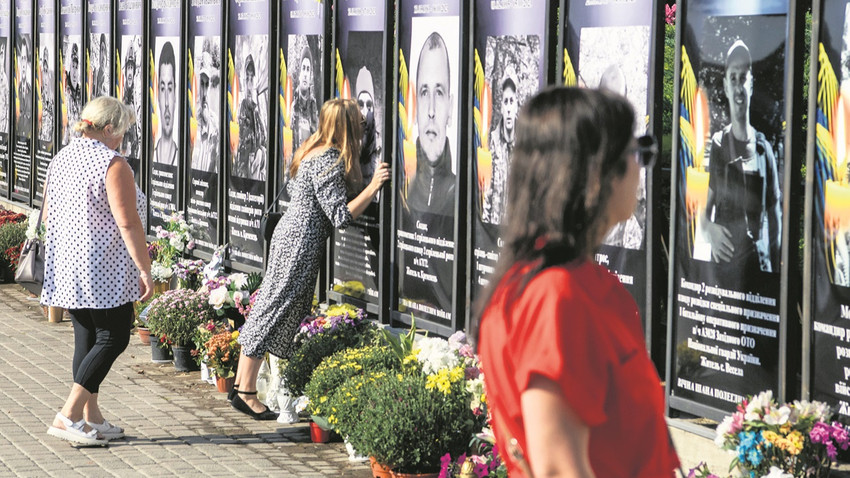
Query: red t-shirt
[578, 326]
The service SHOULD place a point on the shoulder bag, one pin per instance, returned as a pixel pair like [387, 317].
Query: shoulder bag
[270, 218]
[30, 271]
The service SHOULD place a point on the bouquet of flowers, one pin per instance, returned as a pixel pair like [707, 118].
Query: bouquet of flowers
[203, 334]
[483, 461]
[189, 273]
[33, 232]
[223, 353]
[235, 292]
[797, 438]
[173, 240]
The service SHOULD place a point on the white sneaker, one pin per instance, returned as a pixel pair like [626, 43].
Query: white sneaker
[74, 432]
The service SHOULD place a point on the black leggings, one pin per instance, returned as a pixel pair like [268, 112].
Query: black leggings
[100, 335]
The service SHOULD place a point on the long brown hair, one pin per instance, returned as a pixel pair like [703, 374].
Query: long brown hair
[570, 145]
[339, 127]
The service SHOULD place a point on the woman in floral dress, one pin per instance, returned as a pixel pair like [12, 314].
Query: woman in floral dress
[325, 171]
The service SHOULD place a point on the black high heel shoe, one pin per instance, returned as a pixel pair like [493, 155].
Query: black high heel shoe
[239, 404]
[233, 392]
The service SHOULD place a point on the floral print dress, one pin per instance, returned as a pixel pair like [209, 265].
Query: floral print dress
[318, 205]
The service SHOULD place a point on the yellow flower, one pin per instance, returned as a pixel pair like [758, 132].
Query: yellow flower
[234, 335]
[323, 399]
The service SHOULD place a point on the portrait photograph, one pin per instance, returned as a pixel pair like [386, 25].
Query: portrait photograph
[364, 70]
[166, 150]
[207, 86]
[130, 91]
[99, 76]
[24, 87]
[304, 66]
[617, 59]
[73, 91]
[46, 75]
[739, 223]
[252, 114]
[511, 68]
[4, 85]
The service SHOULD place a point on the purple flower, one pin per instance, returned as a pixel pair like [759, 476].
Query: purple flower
[445, 463]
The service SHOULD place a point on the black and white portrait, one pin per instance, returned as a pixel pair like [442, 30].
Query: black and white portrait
[130, 89]
[73, 93]
[4, 84]
[99, 57]
[741, 226]
[25, 94]
[305, 73]
[434, 70]
[511, 68]
[165, 150]
[364, 72]
[251, 65]
[207, 148]
[617, 59]
[46, 78]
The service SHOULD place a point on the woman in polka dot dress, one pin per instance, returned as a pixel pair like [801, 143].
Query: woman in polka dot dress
[96, 261]
[326, 170]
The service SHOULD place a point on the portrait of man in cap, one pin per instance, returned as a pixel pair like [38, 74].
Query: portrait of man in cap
[24, 126]
[73, 92]
[45, 133]
[305, 109]
[370, 146]
[165, 151]
[501, 148]
[742, 219]
[206, 152]
[250, 157]
[130, 144]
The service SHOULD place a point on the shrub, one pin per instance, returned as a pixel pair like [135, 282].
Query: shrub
[409, 421]
[336, 369]
[306, 358]
[176, 314]
[12, 236]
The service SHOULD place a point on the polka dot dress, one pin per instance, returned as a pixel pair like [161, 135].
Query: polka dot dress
[318, 205]
[87, 265]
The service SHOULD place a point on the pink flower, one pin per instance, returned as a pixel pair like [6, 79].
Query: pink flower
[670, 14]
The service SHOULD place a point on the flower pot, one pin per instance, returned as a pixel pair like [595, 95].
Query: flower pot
[144, 335]
[318, 434]
[379, 470]
[224, 385]
[160, 287]
[160, 354]
[55, 314]
[183, 360]
[393, 474]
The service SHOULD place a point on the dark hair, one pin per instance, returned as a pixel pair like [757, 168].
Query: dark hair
[166, 57]
[570, 145]
[249, 66]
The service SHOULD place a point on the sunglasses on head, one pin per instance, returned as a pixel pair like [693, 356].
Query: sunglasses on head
[646, 151]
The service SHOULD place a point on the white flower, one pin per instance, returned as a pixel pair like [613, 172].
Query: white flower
[723, 429]
[457, 339]
[218, 297]
[777, 416]
[176, 243]
[820, 411]
[159, 272]
[435, 354]
[238, 297]
[777, 473]
[238, 280]
[759, 405]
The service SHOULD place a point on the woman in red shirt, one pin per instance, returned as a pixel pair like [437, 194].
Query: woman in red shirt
[570, 385]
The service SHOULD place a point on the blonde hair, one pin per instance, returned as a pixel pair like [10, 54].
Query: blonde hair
[104, 111]
[339, 127]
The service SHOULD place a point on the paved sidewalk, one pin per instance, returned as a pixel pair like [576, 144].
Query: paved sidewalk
[175, 424]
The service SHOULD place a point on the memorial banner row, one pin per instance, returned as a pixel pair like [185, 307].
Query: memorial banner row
[226, 91]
